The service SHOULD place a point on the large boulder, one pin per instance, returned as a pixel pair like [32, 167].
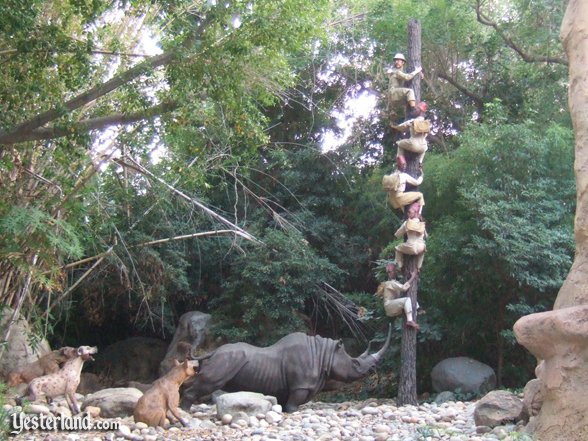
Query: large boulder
[464, 374]
[118, 402]
[251, 403]
[498, 408]
[19, 351]
[133, 359]
[559, 338]
[191, 334]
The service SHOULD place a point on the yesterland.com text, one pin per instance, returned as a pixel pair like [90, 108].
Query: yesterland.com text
[21, 421]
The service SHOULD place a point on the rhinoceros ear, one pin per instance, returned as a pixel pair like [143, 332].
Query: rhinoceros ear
[340, 343]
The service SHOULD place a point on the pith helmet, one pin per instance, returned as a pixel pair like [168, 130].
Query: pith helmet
[399, 56]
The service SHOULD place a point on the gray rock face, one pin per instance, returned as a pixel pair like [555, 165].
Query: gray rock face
[114, 402]
[19, 351]
[499, 407]
[252, 403]
[463, 373]
[193, 330]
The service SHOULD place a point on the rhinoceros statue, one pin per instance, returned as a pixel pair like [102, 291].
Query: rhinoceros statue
[293, 369]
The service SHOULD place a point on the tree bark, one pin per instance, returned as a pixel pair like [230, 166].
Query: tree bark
[414, 54]
[573, 36]
[407, 390]
[559, 338]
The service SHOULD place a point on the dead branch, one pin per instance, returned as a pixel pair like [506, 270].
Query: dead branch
[132, 164]
[190, 236]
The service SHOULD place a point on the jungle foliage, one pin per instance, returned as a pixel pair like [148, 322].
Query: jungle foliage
[139, 184]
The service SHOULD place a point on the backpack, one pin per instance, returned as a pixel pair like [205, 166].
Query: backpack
[421, 126]
[391, 182]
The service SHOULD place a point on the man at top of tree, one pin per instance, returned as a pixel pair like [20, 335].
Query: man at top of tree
[397, 92]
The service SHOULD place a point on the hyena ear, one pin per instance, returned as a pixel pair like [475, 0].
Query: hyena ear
[176, 362]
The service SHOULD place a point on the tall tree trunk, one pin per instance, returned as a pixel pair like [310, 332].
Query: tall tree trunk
[559, 338]
[414, 54]
[573, 35]
[407, 390]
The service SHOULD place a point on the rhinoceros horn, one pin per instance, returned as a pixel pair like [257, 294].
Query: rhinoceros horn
[378, 355]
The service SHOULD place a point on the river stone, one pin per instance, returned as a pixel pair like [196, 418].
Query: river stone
[464, 374]
[114, 402]
[252, 403]
[497, 408]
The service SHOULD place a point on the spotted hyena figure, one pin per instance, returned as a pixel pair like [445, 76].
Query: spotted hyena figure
[63, 382]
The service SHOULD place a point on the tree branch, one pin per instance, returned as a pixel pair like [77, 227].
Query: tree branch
[485, 20]
[88, 124]
[476, 98]
[94, 52]
[191, 236]
[86, 97]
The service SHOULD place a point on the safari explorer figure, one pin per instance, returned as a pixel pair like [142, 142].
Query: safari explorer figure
[397, 92]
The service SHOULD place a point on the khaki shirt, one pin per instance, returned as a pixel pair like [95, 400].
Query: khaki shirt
[397, 78]
[392, 289]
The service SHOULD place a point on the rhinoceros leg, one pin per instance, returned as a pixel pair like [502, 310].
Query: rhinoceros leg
[296, 398]
[214, 373]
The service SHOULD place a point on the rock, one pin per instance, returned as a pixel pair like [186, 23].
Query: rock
[445, 396]
[463, 373]
[19, 352]
[227, 418]
[114, 402]
[560, 339]
[125, 432]
[497, 408]
[38, 409]
[370, 410]
[93, 411]
[273, 417]
[193, 330]
[143, 387]
[381, 428]
[62, 411]
[251, 403]
[533, 396]
[133, 359]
